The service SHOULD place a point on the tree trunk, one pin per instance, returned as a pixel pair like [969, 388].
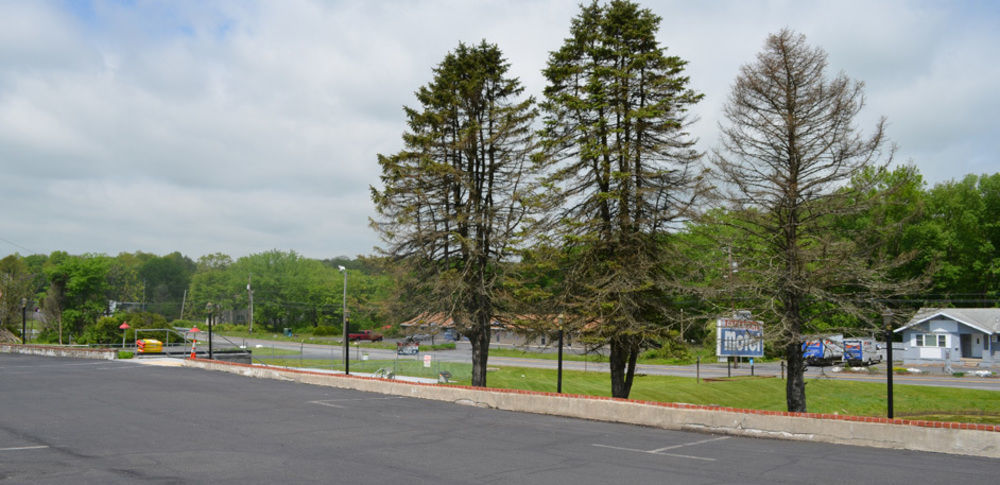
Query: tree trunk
[622, 363]
[795, 386]
[480, 339]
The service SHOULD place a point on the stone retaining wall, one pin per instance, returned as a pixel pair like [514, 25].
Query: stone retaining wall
[57, 351]
[935, 436]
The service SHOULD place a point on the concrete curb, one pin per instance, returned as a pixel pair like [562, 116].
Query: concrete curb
[56, 351]
[934, 436]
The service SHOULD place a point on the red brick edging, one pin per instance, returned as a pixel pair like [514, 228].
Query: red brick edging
[840, 417]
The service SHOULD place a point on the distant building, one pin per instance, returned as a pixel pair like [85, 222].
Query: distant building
[952, 335]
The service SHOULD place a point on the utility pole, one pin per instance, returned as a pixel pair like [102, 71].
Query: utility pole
[250, 295]
[730, 277]
[24, 312]
[183, 302]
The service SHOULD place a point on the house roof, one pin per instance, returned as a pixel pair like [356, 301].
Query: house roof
[985, 320]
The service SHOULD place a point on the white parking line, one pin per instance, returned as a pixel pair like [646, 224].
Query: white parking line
[660, 451]
[19, 448]
[720, 438]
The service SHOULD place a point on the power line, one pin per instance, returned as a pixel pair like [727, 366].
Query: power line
[32, 251]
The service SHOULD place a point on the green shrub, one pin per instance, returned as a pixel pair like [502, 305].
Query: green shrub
[326, 331]
[958, 374]
[106, 330]
[186, 323]
[900, 370]
[669, 348]
[228, 327]
[125, 354]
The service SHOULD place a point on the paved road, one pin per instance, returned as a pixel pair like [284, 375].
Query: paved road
[80, 421]
[708, 369]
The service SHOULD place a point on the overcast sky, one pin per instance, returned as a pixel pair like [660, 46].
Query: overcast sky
[239, 127]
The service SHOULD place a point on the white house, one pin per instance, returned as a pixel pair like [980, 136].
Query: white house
[938, 335]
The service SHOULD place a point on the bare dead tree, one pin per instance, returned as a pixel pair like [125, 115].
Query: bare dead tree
[791, 166]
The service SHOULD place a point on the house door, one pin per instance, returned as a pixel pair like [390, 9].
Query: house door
[966, 342]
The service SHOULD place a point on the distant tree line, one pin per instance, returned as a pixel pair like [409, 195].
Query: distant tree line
[68, 294]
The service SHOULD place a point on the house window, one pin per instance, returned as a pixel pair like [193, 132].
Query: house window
[930, 340]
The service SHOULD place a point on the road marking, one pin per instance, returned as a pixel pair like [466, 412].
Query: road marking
[652, 453]
[660, 451]
[19, 448]
[674, 447]
[329, 402]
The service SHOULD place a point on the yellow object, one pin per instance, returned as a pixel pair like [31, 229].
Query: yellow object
[148, 345]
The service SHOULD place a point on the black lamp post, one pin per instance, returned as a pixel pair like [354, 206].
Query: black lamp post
[347, 327]
[347, 344]
[210, 308]
[24, 318]
[559, 368]
[887, 318]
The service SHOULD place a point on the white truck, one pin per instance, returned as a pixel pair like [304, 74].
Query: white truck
[821, 351]
[861, 351]
[835, 349]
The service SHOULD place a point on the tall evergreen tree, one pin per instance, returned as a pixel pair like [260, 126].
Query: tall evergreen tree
[454, 198]
[615, 117]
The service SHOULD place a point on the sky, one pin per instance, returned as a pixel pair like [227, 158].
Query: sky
[245, 126]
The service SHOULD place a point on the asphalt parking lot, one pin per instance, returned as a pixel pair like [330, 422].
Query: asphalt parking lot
[82, 421]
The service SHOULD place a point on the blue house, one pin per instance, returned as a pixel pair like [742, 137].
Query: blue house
[966, 336]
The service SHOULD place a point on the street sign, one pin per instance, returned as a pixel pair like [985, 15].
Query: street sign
[739, 338]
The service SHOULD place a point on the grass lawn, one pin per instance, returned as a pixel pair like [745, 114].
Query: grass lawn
[460, 372]
[706, 354]
[269, 352]
[822, 395]
[523, 354]
[237, 335]
[829, 396]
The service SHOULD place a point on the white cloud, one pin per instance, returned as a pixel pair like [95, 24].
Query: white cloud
[239, 127]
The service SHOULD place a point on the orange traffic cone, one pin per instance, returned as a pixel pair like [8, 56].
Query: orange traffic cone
[194, 341]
